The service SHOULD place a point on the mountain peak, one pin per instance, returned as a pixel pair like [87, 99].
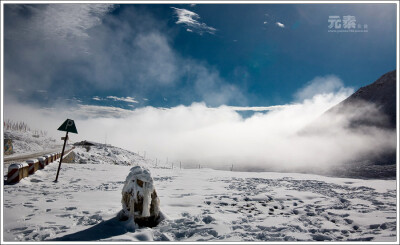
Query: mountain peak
[381, 93]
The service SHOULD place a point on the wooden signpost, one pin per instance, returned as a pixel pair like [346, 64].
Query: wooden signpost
[67, 126]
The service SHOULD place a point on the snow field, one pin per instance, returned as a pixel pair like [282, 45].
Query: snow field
[200, 205]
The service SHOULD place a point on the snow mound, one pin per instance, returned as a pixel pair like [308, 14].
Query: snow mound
[139, 198]
[106, 154]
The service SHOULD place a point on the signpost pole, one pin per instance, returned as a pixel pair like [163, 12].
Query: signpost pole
[62, 154]
[67, 126]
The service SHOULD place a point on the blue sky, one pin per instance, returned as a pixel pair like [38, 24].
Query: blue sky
[131, 56]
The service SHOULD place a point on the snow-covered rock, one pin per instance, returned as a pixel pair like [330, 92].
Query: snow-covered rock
[69, 158]
[139, 198]
[8, 147]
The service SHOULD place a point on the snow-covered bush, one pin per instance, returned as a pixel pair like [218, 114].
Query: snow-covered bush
[139, 198]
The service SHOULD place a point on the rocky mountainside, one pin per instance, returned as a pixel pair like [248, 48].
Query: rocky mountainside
[382, 94]
[371, 108]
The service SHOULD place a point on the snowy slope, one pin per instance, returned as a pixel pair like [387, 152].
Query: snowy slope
[102, 154]
[26, 143]
[200, 205]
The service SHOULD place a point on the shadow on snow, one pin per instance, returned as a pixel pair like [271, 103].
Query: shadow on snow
[105, 229]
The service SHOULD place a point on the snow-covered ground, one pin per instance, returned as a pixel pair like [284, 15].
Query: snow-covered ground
[198, 205]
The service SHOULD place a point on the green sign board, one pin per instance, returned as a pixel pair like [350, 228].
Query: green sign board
[68, 126]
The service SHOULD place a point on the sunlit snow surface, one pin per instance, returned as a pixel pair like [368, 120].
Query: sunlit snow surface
[197, 204]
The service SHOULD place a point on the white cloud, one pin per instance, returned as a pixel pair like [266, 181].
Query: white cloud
[211, 88]
[269, 18]
[125, 99]
[94, 111]
[190, 19]
[115, 98]
[156, 62]
[258, 108]
[60, 21]
[63, 20]
[279, 24]
[322, 85]
[60, 29]
[144, 65]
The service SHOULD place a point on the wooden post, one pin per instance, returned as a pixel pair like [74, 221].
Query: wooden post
[62, 154]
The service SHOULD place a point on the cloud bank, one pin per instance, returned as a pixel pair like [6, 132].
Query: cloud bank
[218, 137]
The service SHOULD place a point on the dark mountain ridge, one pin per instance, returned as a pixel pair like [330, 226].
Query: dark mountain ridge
[371, 108]
[382, 94]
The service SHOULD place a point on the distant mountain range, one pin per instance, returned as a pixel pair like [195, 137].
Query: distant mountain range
[370, 107]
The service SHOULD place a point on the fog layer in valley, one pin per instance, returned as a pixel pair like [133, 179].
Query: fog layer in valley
[290, 137]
